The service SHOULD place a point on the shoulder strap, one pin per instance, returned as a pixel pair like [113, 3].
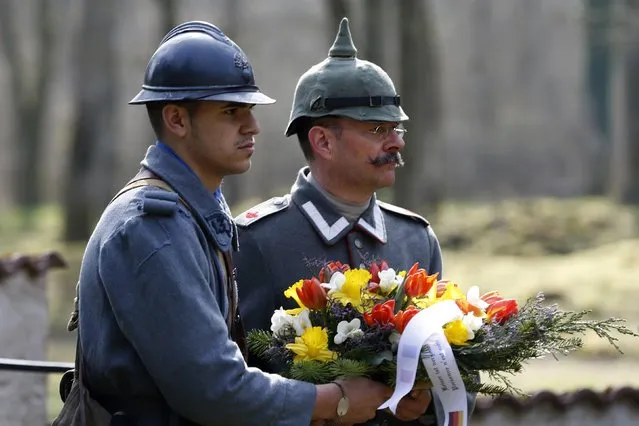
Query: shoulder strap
[143, 182]
[138, 182]
[262, 210]
[403, 212]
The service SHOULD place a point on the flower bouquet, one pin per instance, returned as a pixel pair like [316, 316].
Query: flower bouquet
[350, 322]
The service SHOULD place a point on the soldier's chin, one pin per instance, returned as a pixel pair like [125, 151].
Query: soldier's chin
[387, 178]
[241, 167]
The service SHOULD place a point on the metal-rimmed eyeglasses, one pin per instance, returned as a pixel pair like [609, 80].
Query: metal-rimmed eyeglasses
[383, 132]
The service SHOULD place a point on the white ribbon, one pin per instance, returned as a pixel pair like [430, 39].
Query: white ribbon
[425, 330]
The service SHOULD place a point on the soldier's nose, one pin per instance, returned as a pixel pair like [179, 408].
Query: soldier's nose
[251, 126]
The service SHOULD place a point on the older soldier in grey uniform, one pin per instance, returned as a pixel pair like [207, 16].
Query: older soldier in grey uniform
[158, 319]
[347, 116]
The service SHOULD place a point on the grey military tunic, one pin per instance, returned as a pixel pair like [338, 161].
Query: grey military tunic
[153, 311]
[288, 238]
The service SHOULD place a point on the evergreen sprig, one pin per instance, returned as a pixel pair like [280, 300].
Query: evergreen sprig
[310, 371]
[259, 342]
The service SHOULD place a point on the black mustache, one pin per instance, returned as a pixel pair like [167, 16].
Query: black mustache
[391, 157]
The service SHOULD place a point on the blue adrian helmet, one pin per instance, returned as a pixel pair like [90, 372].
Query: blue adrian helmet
[196, 61]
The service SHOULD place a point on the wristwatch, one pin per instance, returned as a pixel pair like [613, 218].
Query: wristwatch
[343, 404]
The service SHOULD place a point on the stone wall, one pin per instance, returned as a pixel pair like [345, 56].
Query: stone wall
[24, 325]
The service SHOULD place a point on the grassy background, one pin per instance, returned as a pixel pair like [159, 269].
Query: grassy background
[582, 253]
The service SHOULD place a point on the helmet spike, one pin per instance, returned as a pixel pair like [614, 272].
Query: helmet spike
[343, 46]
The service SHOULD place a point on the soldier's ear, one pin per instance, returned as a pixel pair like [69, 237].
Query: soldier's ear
[322, 141]
[176, 120]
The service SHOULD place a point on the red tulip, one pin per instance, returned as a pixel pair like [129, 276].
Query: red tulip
[382, 313]
[491, 297]
[418, 282]
[501, 310]
[372, 287]
[375, 268]
[327, 271]
[312, 294]
[402, 318]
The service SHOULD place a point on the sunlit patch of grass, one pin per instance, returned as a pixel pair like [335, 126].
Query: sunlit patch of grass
[33, 231]
[534, 227]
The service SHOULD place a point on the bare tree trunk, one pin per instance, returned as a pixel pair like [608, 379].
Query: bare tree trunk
[421, 98]
[630, 192]
[597, 64]
[77, 206]
[374, 10]
[90, 180]
[624, 181]
[233, 191]
[483, 99]
[233, 15]
[30, 90]
[168, 15]
[337, 9]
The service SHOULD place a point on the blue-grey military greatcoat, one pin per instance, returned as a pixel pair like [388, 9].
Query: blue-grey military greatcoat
[154, 311]
[285, 239]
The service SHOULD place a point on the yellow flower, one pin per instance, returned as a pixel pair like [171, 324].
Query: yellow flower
[424, 302]
[351, 290]
[312, 345]
[456, 333]
[291, 293]
[452, 292]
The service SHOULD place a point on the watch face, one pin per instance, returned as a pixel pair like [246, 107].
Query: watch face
[342, 407]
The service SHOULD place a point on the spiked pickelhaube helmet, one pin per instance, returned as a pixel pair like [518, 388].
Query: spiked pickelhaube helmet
[197, 61]
[346, 86]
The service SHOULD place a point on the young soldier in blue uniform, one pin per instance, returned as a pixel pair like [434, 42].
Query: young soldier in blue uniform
[158, 320]
[346, 114]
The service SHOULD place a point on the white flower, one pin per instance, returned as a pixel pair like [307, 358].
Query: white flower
[472, 323]
[473, 297]
[336, 282]
[281, 319]
[388, 278]
[347, 330]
